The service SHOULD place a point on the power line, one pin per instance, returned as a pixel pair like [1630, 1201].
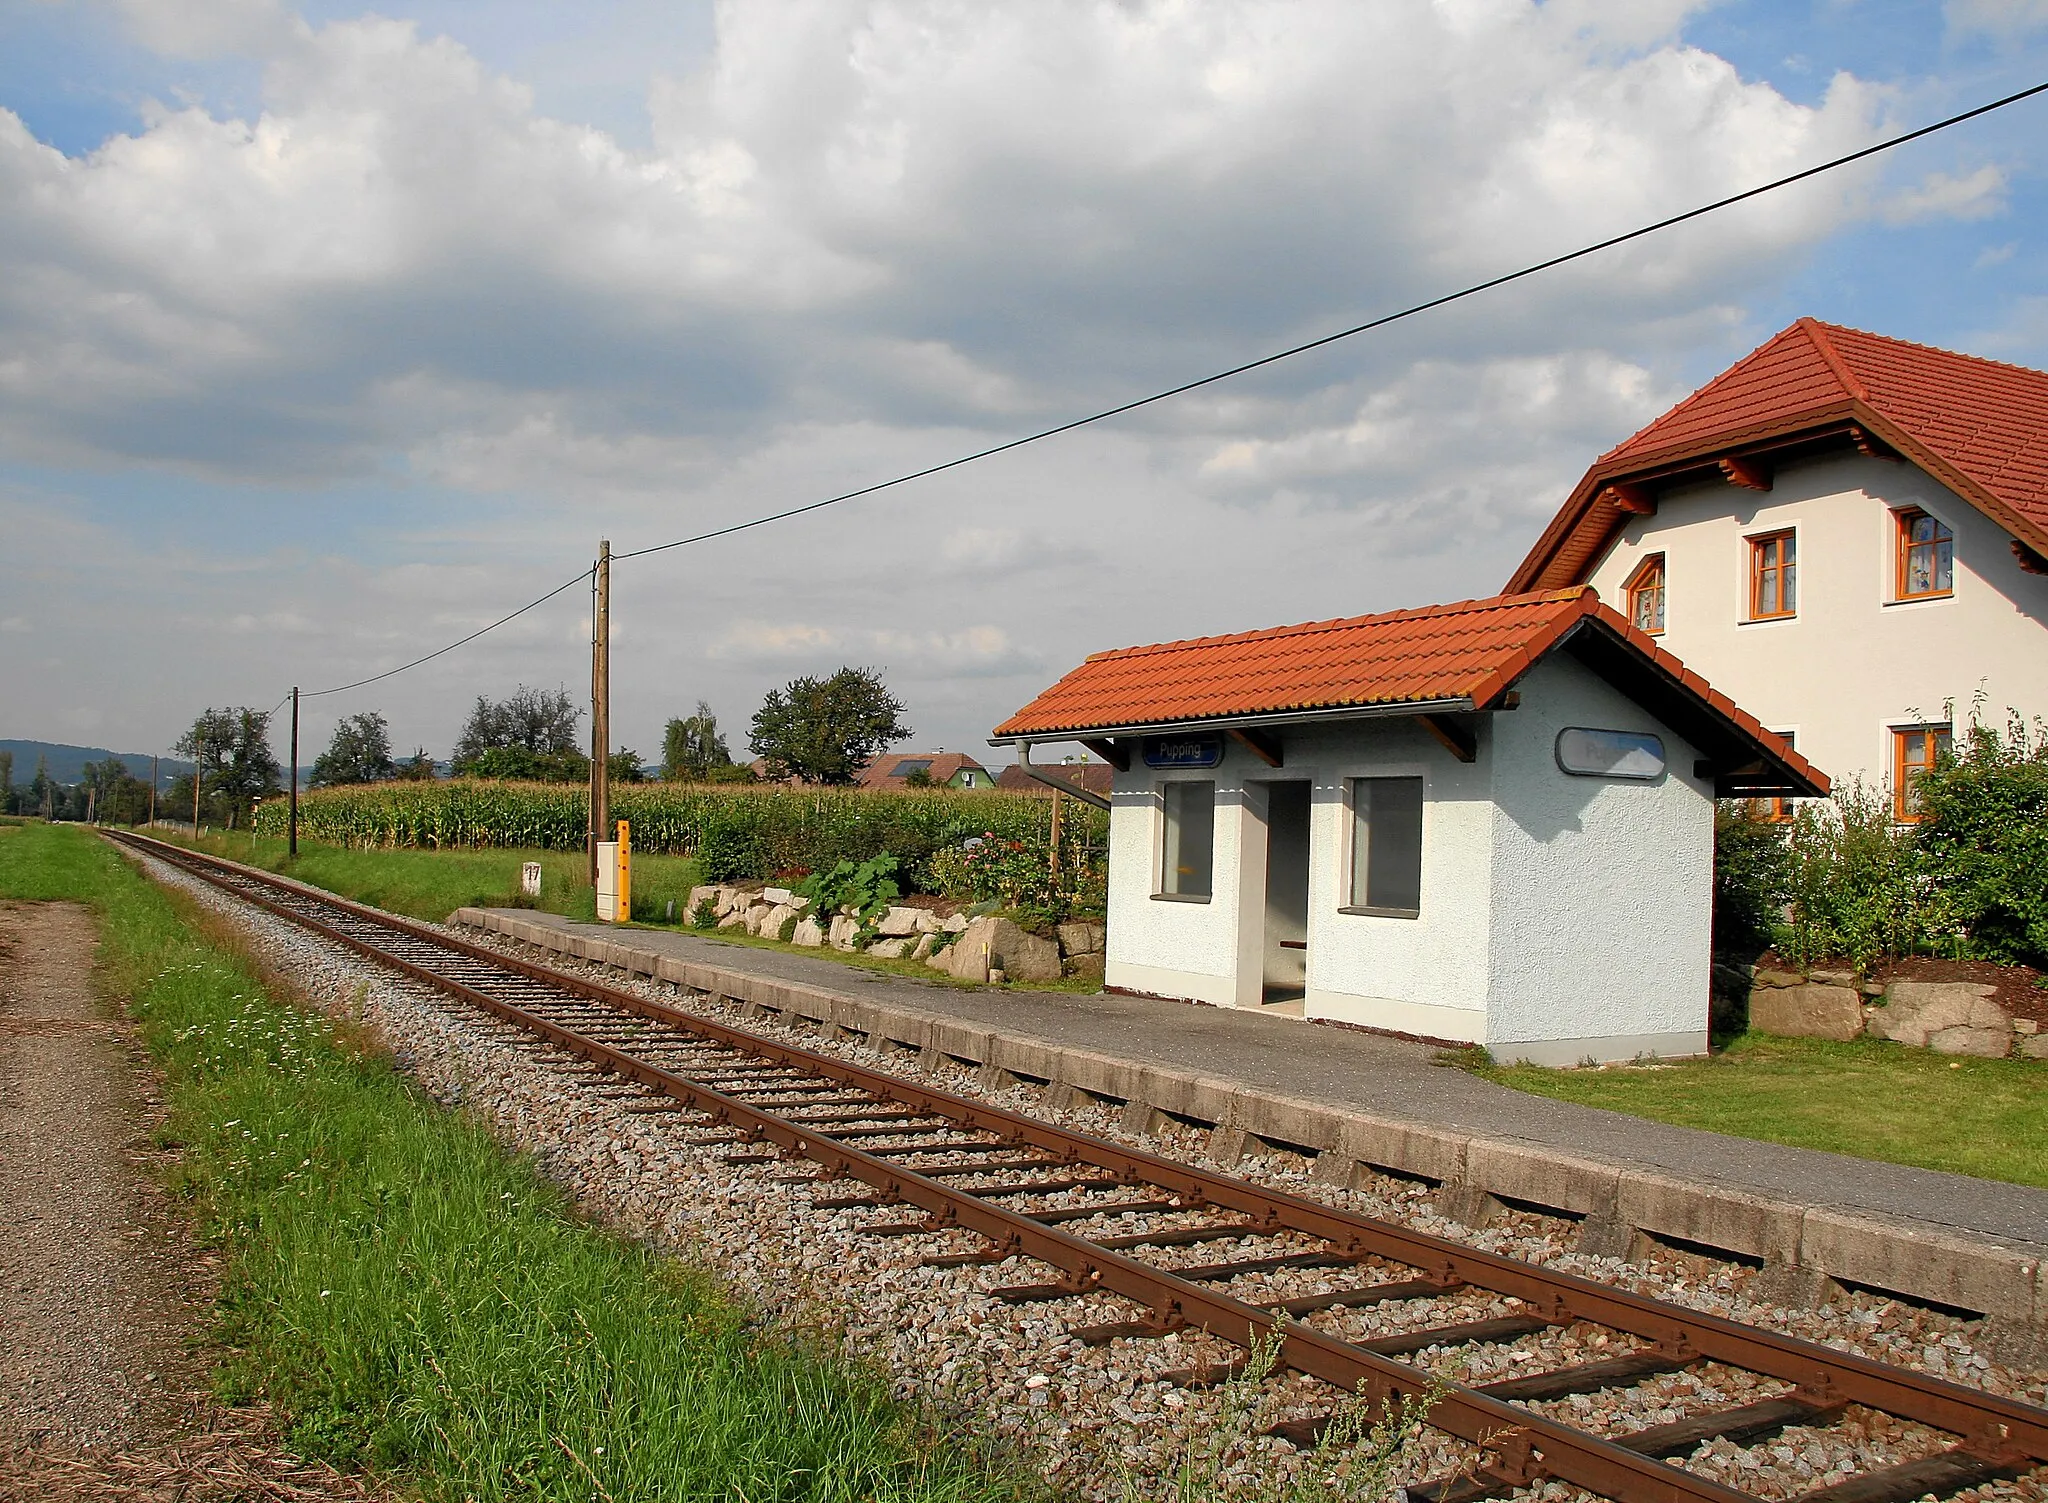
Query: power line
[458, 642]
[1376, 323]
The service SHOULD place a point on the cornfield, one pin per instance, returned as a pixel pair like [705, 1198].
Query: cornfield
[738, 832]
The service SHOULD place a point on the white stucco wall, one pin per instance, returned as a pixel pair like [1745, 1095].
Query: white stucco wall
[1560, 916]
[1602, 888]
[1855, 661]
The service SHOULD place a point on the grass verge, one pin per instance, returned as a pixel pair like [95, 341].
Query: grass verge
[418, 1302]
[1875, 1100]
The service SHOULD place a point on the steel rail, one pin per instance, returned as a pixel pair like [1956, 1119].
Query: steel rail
[1995, 1431]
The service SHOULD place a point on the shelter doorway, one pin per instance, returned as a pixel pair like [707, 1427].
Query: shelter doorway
[1285, 965]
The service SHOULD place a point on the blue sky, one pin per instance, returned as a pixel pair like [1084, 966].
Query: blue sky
[326, 336]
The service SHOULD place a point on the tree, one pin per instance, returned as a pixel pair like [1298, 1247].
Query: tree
[827, 730]
[43, 790]
[417, 768]
[530, 720]
[231, 751]
[6, 782]
[625, 766]
[109, 794]
[359, 753]
[691, 748]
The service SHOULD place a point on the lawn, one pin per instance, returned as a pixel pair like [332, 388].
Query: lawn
[421, 1303]
[427, 884]
[1875, 1100]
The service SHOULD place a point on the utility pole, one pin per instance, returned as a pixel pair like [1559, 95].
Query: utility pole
[294, 821]
[152, 790]
[198, 761]
[600, 703]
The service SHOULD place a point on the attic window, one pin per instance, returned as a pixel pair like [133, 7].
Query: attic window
[1927, 556]
[1586, 753]
[1646, 596]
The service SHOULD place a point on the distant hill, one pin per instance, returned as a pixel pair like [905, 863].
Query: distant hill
[67, 763]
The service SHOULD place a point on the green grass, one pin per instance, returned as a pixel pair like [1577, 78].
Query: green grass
[417, 1301]
[429, 884]
[1876, 1100]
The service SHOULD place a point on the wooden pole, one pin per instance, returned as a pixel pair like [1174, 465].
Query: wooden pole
[198, 761]
[294, 820]
[152, 790]
[600, 704]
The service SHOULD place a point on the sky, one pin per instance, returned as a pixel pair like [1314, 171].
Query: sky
[328, 335]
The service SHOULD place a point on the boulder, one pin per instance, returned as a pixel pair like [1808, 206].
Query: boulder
[733, 900]
[1080, 937]
[777, 895]
[954, 923]
[898, 922]
[941, 959]
[927, 946]
[701, 895]
[773, 920]
[1949, 1017]
[840, 935]
[998, 944]
[1088, 966]
[764, 918]
[1763, 977]
[927, 921]
[892, 949]
[2035, 1047]
[808, 932]
[1832, 978]
[1808, 1011]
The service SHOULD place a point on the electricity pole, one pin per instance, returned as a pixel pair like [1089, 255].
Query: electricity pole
[600, 703]
[294, 821]
[198, 762]
[152, 790]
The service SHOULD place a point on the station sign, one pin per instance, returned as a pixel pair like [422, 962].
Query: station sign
[1204, 750]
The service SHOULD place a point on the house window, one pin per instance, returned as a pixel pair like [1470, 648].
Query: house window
[1777, 811]
[1386, 846]
[1773, 576]
[1646, 596]
[1915, 750]
[1927, 556]
[1190, 845]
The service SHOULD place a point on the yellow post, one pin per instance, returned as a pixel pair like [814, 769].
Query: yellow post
[625, 884]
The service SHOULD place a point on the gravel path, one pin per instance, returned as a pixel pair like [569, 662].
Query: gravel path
[1086, 1415]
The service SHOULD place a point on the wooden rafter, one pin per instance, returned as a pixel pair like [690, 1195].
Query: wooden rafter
[1457, 737]
[2031, 562]
[1116, 754]
[1749, 473]
[1627, 496]
[1266, 748]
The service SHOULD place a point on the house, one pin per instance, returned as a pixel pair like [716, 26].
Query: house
[943, 769]
[1846, 533]
[1097, 778]
[1489, 822]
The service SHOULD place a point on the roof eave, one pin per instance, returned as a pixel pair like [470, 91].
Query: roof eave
[1393, 710]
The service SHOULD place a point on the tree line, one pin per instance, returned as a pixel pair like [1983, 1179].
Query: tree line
[811, 730]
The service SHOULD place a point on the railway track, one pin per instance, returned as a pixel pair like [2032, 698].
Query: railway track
[1167, 1237]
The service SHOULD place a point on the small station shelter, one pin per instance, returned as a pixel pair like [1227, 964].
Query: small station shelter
[1490, 822]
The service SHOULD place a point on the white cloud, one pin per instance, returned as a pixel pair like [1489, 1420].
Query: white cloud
[1975, 195]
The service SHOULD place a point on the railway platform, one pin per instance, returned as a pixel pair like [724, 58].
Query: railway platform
[1357, 1103]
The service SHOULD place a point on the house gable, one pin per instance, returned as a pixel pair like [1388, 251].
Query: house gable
[1978, 427]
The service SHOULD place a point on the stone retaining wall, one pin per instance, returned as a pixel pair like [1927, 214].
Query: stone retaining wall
[1949, 1017]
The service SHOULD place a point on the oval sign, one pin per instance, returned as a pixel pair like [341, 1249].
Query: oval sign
[1183, 751]
[1587, 753]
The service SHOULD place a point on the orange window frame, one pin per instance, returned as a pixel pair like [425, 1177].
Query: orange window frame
[1940, 549]
[1915, 749]
[1648, 579]
[1777, 811]
[1774, 576]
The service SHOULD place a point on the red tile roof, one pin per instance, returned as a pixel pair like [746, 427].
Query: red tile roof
[1978, 426]
[1439, 653]
[1091, 777]
[887, 770]
[1471, 652]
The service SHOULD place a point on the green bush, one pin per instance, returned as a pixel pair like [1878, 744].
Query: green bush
[1983, 835]
[867, 888]
[1752, 878]
[1856, 883]
[1019, 875]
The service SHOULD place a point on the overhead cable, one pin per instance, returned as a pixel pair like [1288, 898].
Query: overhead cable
[1377, 323]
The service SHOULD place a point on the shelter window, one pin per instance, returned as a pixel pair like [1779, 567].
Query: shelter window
[1386, 847]
[1773, 576]
[1927, 556]
[1915, 751]
[1189, 850]
[1646, 596]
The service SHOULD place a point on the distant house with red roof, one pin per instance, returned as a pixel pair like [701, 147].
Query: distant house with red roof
[1488, 822]
[1098, 778]
[940, 769]
[1848, 533]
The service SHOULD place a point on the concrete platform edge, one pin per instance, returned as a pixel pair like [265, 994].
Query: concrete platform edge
[1612, 1198]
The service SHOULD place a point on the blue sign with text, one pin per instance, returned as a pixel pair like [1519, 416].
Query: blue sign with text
[1183, 751]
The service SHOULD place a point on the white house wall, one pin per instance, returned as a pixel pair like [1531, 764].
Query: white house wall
[1854, 662]
[1602, 890]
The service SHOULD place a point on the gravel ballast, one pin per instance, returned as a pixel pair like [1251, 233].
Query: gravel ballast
[1085, 1415]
